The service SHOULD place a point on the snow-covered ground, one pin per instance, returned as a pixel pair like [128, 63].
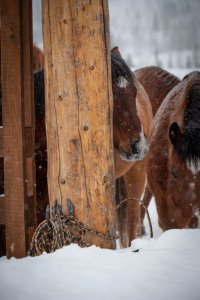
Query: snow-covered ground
[166, 267]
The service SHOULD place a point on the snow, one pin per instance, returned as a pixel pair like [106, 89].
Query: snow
[166, 267]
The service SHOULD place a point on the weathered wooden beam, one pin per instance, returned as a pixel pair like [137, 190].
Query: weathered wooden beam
[29, 142]
[79, 111]
[29, 118]
[17, 86]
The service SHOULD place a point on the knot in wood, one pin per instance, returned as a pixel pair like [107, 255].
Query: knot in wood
[85, 127]
[91, 67]
[62, 181]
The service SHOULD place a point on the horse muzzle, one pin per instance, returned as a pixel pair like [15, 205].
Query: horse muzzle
[138, 150]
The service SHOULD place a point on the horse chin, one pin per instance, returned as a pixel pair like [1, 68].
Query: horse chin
[133, 157]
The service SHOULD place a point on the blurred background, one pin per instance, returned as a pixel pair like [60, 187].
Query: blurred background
[165, 33]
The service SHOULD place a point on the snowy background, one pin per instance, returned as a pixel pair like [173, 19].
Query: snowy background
[148, 32]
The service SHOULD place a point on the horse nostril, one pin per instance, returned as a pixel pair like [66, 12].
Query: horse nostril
[134, 147]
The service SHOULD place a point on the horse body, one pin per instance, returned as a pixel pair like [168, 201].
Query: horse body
[173, 166]
[157, 84]
[131, 131]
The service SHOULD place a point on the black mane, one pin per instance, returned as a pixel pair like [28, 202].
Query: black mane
[120, 69]
[188, 146]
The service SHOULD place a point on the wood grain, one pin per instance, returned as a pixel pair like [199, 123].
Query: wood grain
[17, 86]
[79, 111]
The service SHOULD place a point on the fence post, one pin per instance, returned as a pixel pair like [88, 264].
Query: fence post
[79, 111]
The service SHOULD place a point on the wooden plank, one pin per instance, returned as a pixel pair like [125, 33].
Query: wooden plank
[13, 128]
[28, 64]
[2, 209]
[1, 141]
[29, 142]
[17, 83]
[29, 116]
[78, 111]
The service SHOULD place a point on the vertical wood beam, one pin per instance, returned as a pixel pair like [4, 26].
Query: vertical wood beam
[17, 86]
[29, 118]
[79, 111]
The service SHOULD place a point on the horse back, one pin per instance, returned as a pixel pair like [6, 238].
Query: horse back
[157, 82]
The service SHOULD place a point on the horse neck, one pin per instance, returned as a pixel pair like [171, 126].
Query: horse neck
[144, 109]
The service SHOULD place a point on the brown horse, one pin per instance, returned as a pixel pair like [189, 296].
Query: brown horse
[157, 83]
[132, 116]
[132, 119]
[174, 156]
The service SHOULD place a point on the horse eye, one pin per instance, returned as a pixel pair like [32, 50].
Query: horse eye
[174, 173]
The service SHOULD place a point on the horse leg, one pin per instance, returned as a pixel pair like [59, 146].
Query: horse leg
[145, 203]
[135, 180]
[120, 198]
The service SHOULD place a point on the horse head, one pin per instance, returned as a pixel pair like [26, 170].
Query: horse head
[128, 131]
[184, 136]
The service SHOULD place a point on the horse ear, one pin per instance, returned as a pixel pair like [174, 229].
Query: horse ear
[174, 132]
[115, 51]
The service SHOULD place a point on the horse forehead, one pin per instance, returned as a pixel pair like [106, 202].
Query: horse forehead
[124, 99]
[188, 170]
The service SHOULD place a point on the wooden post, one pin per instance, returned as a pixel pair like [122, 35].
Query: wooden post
[79, 111]
[18, 124]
